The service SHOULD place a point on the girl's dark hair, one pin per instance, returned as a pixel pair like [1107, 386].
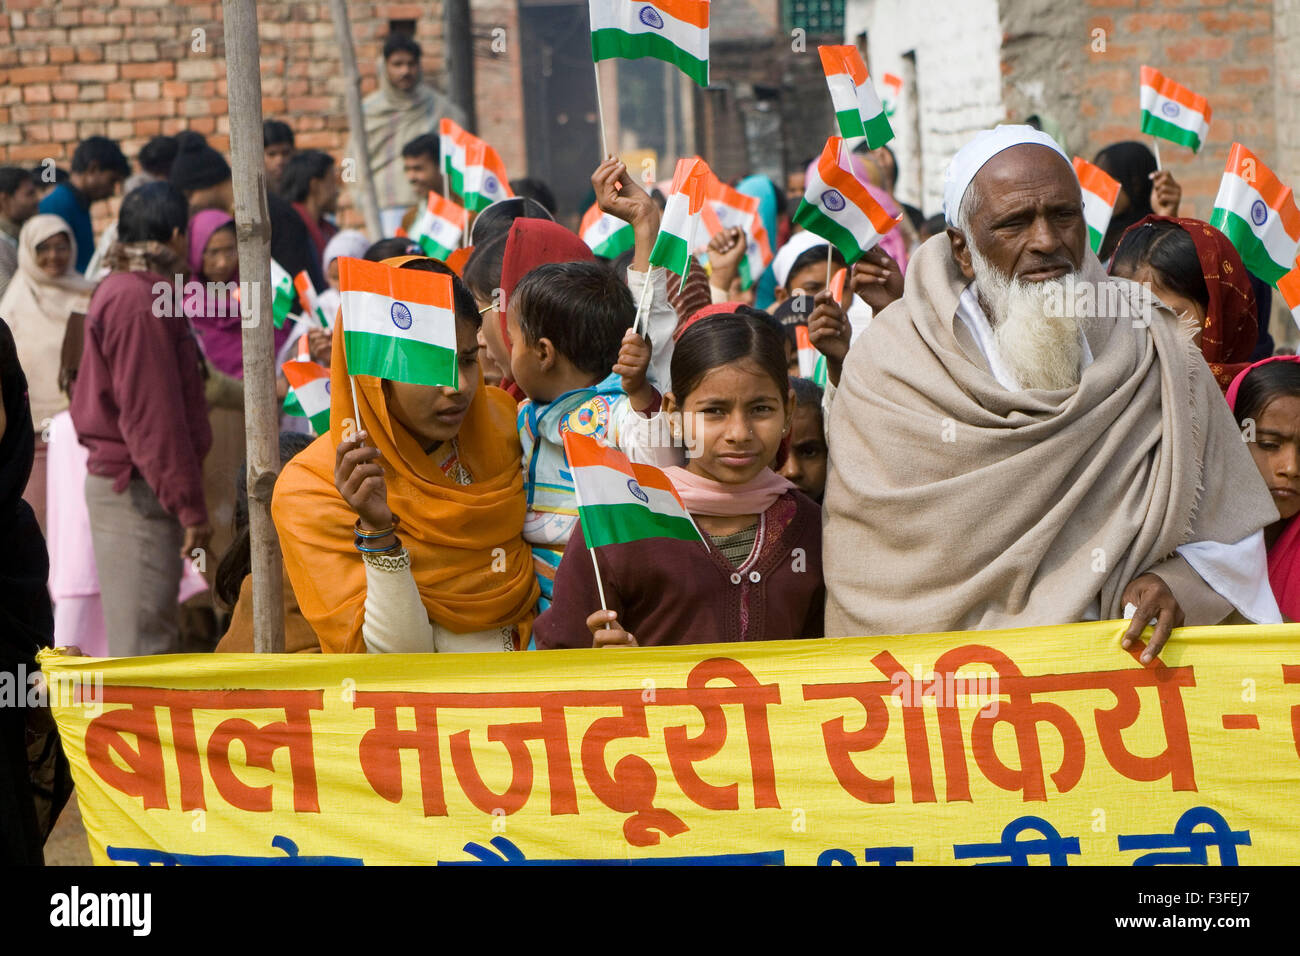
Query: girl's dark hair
[157, 155]
[300, 170]
[466, 307]
[237, 563]
[749, 336]
[497, 218]
[483, 268]
[391, 248]
[152, 213]
[1264, 384]
[1169, 251]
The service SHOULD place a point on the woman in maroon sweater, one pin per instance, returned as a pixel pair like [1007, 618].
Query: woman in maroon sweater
[138, 407]
[758, 574]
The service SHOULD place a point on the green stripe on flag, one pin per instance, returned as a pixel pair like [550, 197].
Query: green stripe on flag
[617, 524]
[1253, 252]
[850, 123]
[746, 280]
[611, 43]
[433, 249]
[1095, 239]
[400, 360]
[808, 216]
[1154, 125]
[671, 252]
[616, 243]
[282, 305]
[878, 130]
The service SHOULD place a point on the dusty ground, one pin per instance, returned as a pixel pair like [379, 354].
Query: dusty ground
[67, 844]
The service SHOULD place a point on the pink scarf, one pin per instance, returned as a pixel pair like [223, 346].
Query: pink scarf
[1284, 555]
[704, 496]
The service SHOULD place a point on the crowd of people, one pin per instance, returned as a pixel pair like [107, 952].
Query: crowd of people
[974, 459]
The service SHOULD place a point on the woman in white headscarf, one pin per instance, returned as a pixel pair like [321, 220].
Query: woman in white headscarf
[42, 295]
[348, 244]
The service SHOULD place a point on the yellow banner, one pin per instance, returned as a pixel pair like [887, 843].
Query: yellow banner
[1042, 746]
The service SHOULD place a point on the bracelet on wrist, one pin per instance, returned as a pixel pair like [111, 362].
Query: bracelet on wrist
[361, 545]
[362, 533]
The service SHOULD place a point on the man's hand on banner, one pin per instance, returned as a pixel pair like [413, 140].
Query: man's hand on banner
[1154, 602]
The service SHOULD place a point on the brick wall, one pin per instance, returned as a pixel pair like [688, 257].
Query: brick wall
[1222, 49]
[498, 80]
[958, 81]
[135, 68]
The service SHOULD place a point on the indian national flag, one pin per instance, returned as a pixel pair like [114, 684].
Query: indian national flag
[398, 324]
[857, 108]
[679, 227]
[806, 351]
[607, 236]
[1289, 286]
[893, 93]
[1099, 192]
[439, 227]
[727, 208]
[1258, 215]
[485, 176]
[619, 501]
[838, 208]
[309, 393]
[452, 141]
[307, 296]
[1173, 112]
[676, 31]
[283, 295]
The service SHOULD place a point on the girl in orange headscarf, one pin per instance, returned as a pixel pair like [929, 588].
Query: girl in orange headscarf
[404, 535]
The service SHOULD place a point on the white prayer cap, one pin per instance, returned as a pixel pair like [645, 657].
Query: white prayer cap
[799, 243]
[970, 159]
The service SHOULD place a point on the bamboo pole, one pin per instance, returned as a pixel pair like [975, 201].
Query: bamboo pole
[356, 122]
[253, 230]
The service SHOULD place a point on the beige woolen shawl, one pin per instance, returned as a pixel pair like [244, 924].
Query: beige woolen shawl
[394, 118]
[37, 308]
[954, 504]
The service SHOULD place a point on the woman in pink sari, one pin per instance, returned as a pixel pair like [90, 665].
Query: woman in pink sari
[1265, 397]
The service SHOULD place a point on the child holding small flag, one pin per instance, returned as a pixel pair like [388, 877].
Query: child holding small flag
[575, 356]
[757, 573]
[404, 535]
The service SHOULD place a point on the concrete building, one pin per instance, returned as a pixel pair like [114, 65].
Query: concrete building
[972, 64]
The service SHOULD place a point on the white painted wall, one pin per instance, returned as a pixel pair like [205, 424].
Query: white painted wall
[959, 80]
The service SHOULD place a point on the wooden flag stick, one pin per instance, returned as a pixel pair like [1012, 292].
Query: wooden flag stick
[830, 251]
[600, 113]
[1156, 143]
[640, 306]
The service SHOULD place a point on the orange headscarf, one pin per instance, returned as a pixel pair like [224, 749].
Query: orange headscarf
[468, 556]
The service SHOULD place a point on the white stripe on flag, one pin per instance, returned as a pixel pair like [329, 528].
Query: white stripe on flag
[850, 217]
[371, 313]
[626, 16]
[1239, 197]
[1184, 117]
[608, 486]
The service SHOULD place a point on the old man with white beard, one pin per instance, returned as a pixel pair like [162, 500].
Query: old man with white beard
[999, 461]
